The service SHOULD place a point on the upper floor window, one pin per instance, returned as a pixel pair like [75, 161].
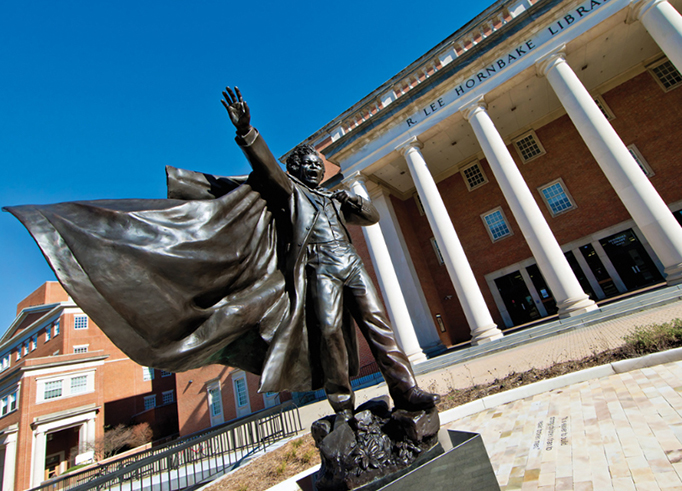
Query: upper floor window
[149, 402]
[164, 373]
[556, 197]
[80, 349]
[436, 250]
[19, 348]
[65, 386]
[147, 373]
[8, 403]
[56, 328]
[215, 401]
[53, 389]
[666, 74]
[496, 224]
[241, 391]
[6, 360]
[473, 175]
[79, 384]
[529, 147]
[34, 342]
[420, 205]
[641, 161]
[25, 348]
[80, 322]
[48, 332]
[604, 108]
[167, 397]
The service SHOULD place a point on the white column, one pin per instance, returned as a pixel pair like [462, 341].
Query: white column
[38, 459]
[422, 318]
[664, 24]
[389, 284]
[644, 204]
[568, 294]
[91, 432]
[481, 324]
[10, 461]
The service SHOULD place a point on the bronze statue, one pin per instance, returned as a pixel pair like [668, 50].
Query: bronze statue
[325, 268]
[255, 272]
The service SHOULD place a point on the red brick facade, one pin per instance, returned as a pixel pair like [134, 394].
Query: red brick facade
[70, 384]
[644, 115]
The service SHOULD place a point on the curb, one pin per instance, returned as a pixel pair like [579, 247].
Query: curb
[536, 388]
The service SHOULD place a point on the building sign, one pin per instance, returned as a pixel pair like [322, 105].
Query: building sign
[508, 59]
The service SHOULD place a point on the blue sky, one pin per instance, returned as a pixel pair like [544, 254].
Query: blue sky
[97, 97]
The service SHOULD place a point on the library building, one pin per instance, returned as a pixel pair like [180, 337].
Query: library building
[526, 167]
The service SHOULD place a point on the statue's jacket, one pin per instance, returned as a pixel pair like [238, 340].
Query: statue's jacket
[213, 274]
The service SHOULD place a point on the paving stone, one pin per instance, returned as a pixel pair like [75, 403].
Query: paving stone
[620, 432]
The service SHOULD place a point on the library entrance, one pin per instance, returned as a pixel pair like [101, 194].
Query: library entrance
[633, 264]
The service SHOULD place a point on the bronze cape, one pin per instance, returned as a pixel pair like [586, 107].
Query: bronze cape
[187, 281]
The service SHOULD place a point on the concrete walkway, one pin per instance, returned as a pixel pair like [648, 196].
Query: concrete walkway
[622, 432]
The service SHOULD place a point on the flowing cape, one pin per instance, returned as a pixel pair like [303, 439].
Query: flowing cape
[175, 283]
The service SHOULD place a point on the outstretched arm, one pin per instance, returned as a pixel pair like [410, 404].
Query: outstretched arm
[265, 166]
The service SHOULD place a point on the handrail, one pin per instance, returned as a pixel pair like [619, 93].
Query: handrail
[174, 465]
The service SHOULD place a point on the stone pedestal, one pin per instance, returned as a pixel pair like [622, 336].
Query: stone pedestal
[378, 449]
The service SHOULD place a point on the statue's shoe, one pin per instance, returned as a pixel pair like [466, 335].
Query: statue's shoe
[415, 399]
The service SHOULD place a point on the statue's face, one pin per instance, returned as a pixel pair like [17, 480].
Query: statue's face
[311, 171]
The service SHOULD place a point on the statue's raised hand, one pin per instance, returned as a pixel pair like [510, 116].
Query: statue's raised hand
[238, 110]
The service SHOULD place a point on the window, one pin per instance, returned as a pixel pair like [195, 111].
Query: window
[420, 205]
[66, 386]
[53, 389]
[436, 249]
[641, 161]
[604, 108]
[167, 397]
[80, 322]
[473, 175]
[48, 332]
[19, 352]
[529, 147]
[241, 392]
[56, 328]
[496, 224]
[80, 349]
[147, 373]
[8, 403]
[34, 342]
[6, 361]
[666, 74]
[79, 384]
[215, 401]
[164, 373]
[149, 402]
[556, 197]
[25, 347]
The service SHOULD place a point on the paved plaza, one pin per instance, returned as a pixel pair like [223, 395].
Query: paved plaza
[622, 432]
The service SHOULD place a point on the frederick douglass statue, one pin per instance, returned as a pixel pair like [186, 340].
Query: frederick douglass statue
[256, 272]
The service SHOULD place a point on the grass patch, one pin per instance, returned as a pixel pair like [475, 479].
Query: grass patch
[643, 341]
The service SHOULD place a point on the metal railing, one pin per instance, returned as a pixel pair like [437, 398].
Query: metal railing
[189, 461]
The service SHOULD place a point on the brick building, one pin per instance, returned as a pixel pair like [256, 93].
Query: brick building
[527, 166]
[215, 394]
[61, 382]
